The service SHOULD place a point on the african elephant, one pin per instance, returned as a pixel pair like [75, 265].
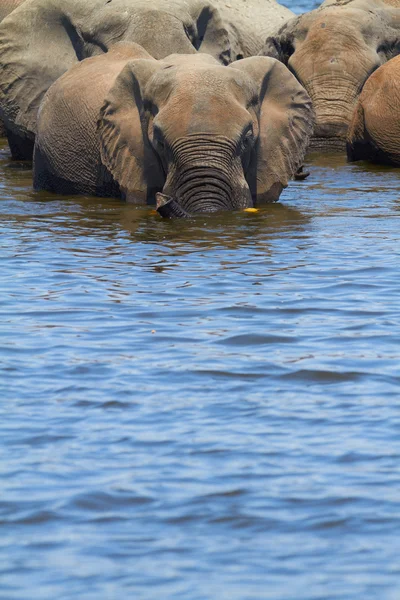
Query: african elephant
[250, 22]
[332, 51]
[374, 132]
[186, 131]
[42, 39]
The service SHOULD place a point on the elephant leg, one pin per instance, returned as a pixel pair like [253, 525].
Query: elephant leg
[21, 147]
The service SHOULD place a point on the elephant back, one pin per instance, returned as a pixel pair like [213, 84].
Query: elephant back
[42, 39]
[38, 43]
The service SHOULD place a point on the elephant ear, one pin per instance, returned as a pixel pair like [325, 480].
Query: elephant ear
[122, 129]
[389, 45]
[212, 36]
[286, 122]
[38, 43]
[281, 45]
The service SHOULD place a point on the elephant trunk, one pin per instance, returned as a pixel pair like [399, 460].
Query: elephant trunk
[333, 103]
[169, 208]
[203, 189]
[333, 64]
[334, 95]
[205, 177]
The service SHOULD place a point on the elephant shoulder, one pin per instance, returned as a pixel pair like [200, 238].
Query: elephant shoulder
[381, 91]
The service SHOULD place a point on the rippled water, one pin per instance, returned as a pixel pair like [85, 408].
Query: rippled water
[201, 410]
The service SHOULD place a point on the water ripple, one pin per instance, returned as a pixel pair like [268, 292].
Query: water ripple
[201, 410]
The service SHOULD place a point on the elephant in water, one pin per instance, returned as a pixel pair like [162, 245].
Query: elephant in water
[374, 132]
[42, 39]
[185, 131]
[332, 51]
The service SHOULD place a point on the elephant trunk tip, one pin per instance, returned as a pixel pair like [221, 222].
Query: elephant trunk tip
[300, 174]
[169, 208]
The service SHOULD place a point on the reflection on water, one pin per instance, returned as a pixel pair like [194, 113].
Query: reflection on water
[206, 409]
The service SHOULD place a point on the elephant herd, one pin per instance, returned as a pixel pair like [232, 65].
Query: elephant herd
[191, 105]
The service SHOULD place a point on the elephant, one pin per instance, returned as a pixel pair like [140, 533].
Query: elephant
[332, 51]
[374, 132]
[250, 22]
[184, 132]
[41, 39]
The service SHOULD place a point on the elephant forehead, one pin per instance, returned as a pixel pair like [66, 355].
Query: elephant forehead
[192, 80]
[332, 43]
[193, 108]
[331, 24]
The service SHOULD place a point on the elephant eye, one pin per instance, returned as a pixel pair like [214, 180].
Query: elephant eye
[246, 140]
[248, 136]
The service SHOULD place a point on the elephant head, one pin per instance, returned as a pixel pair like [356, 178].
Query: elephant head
[200, 137]
[332, 51]
[42, 39]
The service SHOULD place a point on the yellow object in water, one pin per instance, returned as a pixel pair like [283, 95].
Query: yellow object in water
[251, 210]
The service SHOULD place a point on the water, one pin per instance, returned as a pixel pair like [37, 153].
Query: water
[300, 6]
[201, 410]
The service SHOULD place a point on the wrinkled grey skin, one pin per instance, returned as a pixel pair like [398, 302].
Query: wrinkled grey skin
[67, 152]
[250, 22]
[42, 39]
[184, 132]
[332, 51]
[6, 7]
